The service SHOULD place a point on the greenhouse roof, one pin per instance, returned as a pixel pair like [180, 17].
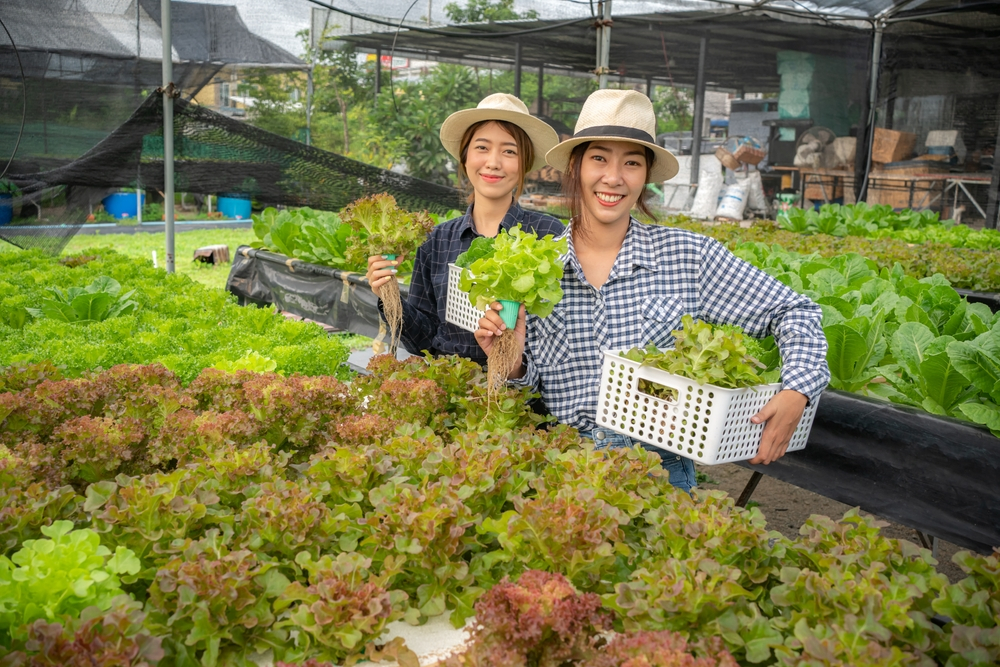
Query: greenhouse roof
[744, 38]
[109, 29]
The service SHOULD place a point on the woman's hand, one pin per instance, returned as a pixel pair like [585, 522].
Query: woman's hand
[381, 271]
[781, 414]
[491, 325]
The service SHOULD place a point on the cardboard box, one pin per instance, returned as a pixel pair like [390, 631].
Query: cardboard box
[892, 146]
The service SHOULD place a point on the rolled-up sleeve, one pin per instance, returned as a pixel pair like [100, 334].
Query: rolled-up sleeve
[735, 292]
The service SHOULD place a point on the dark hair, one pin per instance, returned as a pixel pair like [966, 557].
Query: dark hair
[525, 154]
[573, 189]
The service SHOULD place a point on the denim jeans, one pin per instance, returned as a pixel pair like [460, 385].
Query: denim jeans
[682, 474]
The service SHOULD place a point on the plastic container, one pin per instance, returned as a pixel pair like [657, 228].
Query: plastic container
[458, 309]
[122, 204]
[234, 205]
[6, 207]
[708, 424]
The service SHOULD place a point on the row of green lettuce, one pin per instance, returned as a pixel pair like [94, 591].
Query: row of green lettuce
[965, 268]
[320, 237]
[969, 259]
[245, 516]
[101, 310]
[914, 342]
[881, 221]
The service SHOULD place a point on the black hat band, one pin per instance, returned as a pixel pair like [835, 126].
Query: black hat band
[614, 131]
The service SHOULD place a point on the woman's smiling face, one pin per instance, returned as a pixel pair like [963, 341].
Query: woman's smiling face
[491, 162]
[612, 178]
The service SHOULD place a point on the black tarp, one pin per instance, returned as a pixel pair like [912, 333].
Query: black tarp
[339, 298]
[935, 474]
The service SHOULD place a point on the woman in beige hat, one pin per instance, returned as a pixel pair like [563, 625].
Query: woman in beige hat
[628, 284]
[496, 145]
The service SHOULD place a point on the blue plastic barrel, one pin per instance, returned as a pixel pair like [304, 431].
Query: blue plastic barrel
[6, 207]
[122, 204]
[234, 205]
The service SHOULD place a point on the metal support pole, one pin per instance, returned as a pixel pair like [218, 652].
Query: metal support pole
[993, 197]
[309, 103]
[872, 110]
[168, 131]
[378, 72]
[649, 87]
[517, 69]
[749, 489]
[698, 120]
[429, 9]
[604, 45]
[540, 99]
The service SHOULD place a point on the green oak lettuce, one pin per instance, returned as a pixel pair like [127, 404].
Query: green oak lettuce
[522, 268]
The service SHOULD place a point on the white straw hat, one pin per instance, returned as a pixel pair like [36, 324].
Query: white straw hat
[499, 106]
[617, 115]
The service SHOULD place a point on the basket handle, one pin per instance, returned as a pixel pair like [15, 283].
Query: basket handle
[651, 374]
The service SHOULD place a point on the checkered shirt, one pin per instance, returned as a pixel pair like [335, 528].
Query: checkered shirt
[424, 324]
[660, 275]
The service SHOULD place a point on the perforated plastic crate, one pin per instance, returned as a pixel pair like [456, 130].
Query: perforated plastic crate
[705, 423]
[458, 309]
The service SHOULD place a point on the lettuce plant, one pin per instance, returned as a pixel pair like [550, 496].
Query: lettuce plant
[521, 268]
[112, 638]
[216, 604]
[63, 574]
[540, 620]
[340, 611]
[98, 301]
[661, 649]
[702, 352]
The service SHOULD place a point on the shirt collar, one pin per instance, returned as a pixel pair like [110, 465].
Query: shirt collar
[514, 215]
[636, 250]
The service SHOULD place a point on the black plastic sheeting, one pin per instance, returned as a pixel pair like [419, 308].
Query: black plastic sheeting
[935, 474]
[991, 299]
[339, 298]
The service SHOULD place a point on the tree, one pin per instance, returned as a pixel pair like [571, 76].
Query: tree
[406, 122]
[477, 11]
[673, 107]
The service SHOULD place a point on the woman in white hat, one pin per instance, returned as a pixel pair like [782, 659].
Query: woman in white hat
[628, 284]
[496, 145]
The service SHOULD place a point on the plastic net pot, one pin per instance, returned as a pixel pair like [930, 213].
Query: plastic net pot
[458, 309]
[705, 423]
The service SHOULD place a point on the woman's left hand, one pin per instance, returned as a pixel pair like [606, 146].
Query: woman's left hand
[781, 414]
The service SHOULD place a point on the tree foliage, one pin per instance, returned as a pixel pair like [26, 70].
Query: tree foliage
[477, 11]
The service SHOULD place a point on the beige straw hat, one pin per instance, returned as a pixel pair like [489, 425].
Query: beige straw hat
[617, 115]
[499, 106]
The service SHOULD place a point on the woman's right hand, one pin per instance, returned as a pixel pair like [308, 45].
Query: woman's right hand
[381, 271]
[491, 326]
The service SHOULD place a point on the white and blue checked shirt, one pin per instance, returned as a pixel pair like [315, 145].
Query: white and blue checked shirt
[660, 275]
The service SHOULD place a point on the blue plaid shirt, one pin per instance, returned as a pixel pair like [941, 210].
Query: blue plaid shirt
[424, 325]
[661, 274]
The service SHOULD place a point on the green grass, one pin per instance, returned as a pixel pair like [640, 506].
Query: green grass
[142, 244]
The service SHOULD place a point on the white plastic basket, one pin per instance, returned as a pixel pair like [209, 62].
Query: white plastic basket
[705, 423]
[458, 309]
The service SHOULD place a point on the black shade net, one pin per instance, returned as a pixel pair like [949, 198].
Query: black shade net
[212, 154]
